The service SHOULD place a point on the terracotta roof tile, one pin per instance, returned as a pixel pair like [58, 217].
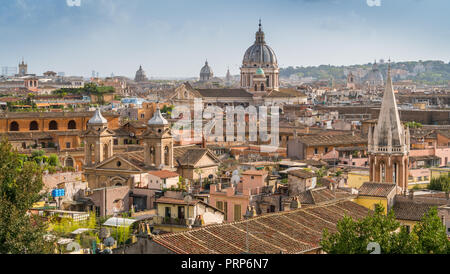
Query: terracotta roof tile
[295, 231]
[163, 174]
[376, 189]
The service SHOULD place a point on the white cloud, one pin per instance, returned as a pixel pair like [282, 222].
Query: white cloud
[374, 3]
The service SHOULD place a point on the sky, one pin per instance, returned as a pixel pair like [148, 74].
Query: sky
[173, 38]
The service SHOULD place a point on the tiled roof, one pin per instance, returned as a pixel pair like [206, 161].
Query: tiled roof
[302, 173]
[412, 210]
[16, 136]
[64, 114]
[346, 139]
[224, 93]
[321, 195]
[293, 232]
[191, 155]
[164, 174]
[135, 157]
[376, 189]
[255, 172]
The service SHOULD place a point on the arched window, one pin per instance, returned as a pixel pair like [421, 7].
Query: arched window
[395, 175]
[105, 151]
[14, 126]
[256, 87]
[72, 125]
[262, 87]
[34, 125]
[53, 125]
[166, 155]
[69, 162]
[152, 155]
[383, 172]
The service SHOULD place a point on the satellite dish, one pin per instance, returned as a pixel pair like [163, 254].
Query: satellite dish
[227, 173]
[236, 172]
[161, 166]
[211, 176]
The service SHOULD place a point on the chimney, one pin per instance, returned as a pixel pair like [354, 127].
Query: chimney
[295, 204]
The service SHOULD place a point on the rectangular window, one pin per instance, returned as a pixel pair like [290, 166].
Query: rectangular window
[408, 228]
[219, 205]
[67, 145]
[237, 213]
[326, 150]
[225, 210]
[116, 142]
[167, 212]
[316, 151]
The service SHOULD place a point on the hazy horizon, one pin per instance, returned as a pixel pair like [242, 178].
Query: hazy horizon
[172, 39]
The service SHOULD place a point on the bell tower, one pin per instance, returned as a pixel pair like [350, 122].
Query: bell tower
[23, 68]
[158, 142]
[98, 140]
[389, 143]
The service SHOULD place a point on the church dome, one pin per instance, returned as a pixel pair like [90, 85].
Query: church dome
[140, 75]
[260, 54]
[374, 77]
[206, 69]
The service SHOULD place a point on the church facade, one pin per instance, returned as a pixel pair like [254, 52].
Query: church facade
[103, 168]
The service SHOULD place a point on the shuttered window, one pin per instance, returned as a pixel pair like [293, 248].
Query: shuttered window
[237, 212]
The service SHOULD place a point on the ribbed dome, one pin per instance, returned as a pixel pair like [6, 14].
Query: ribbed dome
[206, 69]
[260, 53]
[98, 118]
[158, 119]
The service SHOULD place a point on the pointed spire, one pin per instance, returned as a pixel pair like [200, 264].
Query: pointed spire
[389, 130]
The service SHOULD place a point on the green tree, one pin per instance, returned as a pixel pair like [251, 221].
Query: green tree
[20, 184]
[441, 183]
[431, 234]
[413, 125]
[354, 236]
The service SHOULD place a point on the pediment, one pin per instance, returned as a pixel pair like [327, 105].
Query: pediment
[118, 163]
